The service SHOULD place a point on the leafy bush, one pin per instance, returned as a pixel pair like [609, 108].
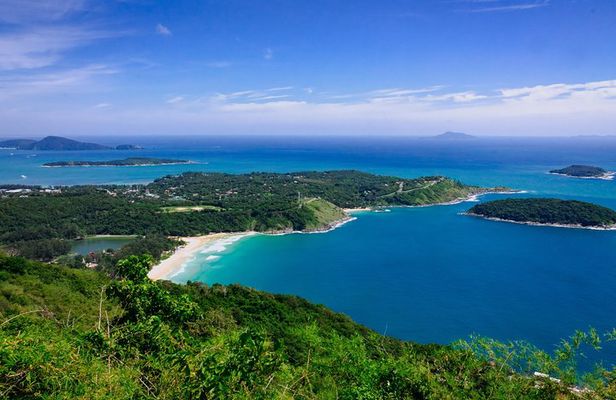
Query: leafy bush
[74, 333]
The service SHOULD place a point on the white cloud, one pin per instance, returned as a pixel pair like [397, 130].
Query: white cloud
[175, 99]
[554, 109]
[23, 85]
[280, 89]
[41, 47]
[163, 30]
[268, 54]
[244, 96]
[505, 6]
[388, 95]
[560, 90]
[36, 11]
[459, 97]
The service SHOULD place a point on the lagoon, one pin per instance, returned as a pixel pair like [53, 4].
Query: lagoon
[99, 243]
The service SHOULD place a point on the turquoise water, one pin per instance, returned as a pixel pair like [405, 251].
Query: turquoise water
[432, 275]
[426, 274]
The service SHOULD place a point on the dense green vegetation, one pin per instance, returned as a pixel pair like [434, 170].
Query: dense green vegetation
[325, 213]
[346, 189]
[75, 333]
[155, 246]
[131, 161]
[547, 211]
[211, 202]
[580, 171]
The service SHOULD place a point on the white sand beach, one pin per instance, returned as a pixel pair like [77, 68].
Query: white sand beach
[173, 263]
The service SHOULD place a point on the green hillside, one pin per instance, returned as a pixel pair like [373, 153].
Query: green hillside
[325, 213]
[67, 333]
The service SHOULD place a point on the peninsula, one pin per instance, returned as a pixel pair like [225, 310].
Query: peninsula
[584, 171]
[196, 204]
[131, 161]
[547, 211]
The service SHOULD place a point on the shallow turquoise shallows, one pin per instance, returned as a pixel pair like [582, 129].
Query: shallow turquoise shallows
[426, 274]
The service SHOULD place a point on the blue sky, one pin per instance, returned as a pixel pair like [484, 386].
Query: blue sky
[489, 67]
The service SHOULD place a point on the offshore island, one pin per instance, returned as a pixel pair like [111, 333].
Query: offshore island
[126, 162]
[547, 212]
[584, 171]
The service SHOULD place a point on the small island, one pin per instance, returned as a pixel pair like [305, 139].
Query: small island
[584, 171]
[127, 162]
[547, 211]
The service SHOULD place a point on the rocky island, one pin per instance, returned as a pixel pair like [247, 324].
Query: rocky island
[127, 162]
[584, 171]
[547, 211]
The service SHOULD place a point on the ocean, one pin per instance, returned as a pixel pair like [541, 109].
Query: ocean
[425, 274]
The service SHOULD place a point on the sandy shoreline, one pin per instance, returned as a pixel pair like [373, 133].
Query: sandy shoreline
[195, 244]
[173, 263]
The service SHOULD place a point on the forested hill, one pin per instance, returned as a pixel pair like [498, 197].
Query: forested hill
[581, 171]
[36, 221]
[547, 211]
[52, 143]
[58, 143]
[346, 189]
[75, 333]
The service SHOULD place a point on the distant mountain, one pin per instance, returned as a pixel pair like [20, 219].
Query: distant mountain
[16, 143]
[59, 143]
[453, 136]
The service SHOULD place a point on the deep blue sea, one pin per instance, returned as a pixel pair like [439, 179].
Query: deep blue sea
[424, 274]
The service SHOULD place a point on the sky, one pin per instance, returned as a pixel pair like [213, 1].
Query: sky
[307, 67]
